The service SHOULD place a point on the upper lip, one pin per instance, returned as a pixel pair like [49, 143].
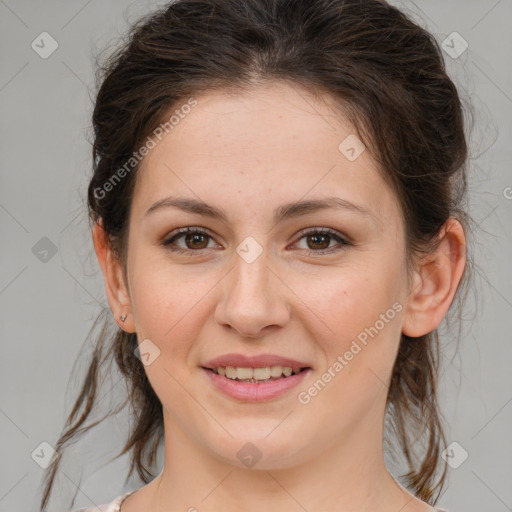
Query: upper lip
[258, 361]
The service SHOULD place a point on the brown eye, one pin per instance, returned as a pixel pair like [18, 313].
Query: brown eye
[195, 240]
[318, 241]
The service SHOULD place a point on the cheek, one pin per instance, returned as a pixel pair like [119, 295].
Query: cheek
[364, 314]
[363, 311]
[169, 310]
[168, 307]
[355, 303]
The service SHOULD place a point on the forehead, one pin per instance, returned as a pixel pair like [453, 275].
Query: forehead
[275, 141]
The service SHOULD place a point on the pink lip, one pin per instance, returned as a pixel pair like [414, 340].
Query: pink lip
[257, 391]
[259, 361]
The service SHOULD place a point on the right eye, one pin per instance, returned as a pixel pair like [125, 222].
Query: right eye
[192, 236]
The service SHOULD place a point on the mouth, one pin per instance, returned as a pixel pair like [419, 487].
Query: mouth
[257, 375]
[260, 384]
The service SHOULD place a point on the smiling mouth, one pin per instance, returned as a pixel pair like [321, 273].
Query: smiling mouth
[256, 375]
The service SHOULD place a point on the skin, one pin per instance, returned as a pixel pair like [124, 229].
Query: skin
[249, 153]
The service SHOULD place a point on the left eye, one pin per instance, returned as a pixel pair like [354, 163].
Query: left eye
[322, 237]
[196, 239]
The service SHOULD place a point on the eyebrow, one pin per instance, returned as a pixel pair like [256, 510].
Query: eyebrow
[286, 211]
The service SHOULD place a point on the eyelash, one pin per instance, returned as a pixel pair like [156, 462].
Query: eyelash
[315, 231]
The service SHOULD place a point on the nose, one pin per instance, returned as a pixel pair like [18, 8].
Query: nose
[254, 299]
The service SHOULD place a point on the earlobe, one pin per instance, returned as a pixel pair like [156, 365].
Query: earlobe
[115, 287]
[436, 281]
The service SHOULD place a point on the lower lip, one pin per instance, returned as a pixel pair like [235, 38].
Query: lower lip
[255, 391]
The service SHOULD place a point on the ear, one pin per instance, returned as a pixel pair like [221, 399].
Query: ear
[117, 292]
[435, 282]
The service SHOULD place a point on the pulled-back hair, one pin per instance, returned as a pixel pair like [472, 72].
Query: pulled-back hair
[387, 76]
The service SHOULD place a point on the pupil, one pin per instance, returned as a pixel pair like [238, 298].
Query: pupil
[316, 237]
[193, 238]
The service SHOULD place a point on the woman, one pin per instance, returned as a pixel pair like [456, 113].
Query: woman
[276, 210]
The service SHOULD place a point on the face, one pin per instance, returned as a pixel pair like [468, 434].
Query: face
[323, 287]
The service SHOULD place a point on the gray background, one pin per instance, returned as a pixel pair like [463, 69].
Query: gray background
[49, 300]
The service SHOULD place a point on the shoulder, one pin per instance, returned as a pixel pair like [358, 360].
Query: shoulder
[112, 506]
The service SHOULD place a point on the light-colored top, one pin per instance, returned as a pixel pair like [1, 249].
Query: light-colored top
[115, 505]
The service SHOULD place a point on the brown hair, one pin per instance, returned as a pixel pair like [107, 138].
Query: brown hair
[387, 75]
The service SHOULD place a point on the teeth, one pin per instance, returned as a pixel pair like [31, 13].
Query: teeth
[231, 372]
[262, 373]
[256, 374]
[244, 373]
[276, 371]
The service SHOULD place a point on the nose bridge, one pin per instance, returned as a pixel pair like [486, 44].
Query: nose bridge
[251, 278]
[253, 297]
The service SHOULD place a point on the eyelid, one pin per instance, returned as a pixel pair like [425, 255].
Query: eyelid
[323, 230]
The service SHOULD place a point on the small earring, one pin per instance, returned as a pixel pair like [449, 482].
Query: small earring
[123, 318]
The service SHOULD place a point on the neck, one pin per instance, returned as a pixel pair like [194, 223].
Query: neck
[349, 475]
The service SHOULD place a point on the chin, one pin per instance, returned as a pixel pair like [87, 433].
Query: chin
[262, 450]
